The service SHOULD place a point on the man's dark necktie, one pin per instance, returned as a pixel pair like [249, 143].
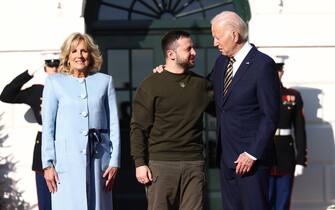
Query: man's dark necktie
[228, 75]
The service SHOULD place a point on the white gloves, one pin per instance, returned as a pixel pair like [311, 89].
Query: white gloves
[32, 71]
[299, 170]
[35, 66]
[36, 70]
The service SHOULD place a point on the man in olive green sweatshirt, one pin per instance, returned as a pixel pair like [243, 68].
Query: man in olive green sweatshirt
[166, 129]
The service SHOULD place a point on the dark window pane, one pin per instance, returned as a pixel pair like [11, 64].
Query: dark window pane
[212, 55]
[142, 64]
[199, 67]
[214, 11]
[211, 122]
[145, 10]
[155, 9]
[110, 13]
[118, 67]
[211, 149]
[122, 98]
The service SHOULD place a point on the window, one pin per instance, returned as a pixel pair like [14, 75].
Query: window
[162, 9]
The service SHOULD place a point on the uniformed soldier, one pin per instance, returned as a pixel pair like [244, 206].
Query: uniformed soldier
[32, 96]
[290, 153]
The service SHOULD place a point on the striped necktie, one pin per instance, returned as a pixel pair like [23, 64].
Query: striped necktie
[228, 75]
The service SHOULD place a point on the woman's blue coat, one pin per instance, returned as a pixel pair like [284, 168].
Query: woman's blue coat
[71, 106]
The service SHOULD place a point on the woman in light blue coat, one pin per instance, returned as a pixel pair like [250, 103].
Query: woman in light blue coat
[81, 148]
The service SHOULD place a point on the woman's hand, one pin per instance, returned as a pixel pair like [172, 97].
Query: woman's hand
[110, 175]
[51, 177]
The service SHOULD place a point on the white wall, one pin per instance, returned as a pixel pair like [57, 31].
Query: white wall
[303, 30]
[27, 29]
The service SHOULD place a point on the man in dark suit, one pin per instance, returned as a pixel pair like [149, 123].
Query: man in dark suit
[246, 93]
[290, 155]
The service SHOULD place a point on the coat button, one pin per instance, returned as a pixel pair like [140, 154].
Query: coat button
[83, 151]
[84, 114]
[85, 133]
[83, 96]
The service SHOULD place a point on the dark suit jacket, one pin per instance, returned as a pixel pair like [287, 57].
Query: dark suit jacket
[247, 116]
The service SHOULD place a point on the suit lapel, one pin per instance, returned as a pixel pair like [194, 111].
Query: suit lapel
[240, 73]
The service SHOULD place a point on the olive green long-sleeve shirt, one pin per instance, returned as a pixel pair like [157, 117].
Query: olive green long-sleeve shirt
[167, 117]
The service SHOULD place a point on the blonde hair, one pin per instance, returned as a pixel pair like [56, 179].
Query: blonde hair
[95, 58]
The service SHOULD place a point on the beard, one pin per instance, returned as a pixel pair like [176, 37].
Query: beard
[186, 63]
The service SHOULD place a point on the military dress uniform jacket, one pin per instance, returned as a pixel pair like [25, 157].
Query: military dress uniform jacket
[71, 107]
[290, 151]
[31, 96]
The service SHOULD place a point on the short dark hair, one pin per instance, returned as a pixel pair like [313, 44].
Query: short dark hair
[170, 38]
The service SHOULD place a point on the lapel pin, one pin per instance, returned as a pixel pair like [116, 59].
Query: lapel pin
[182, 84]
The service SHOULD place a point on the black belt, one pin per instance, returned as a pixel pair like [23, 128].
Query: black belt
[94, 139]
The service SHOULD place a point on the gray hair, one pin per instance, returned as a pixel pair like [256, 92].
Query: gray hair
[234, 21]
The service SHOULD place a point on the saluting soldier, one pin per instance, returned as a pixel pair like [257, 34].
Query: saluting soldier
[290, 145]
[14, 93]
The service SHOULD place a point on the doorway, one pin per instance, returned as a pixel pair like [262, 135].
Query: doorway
[128, 33]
